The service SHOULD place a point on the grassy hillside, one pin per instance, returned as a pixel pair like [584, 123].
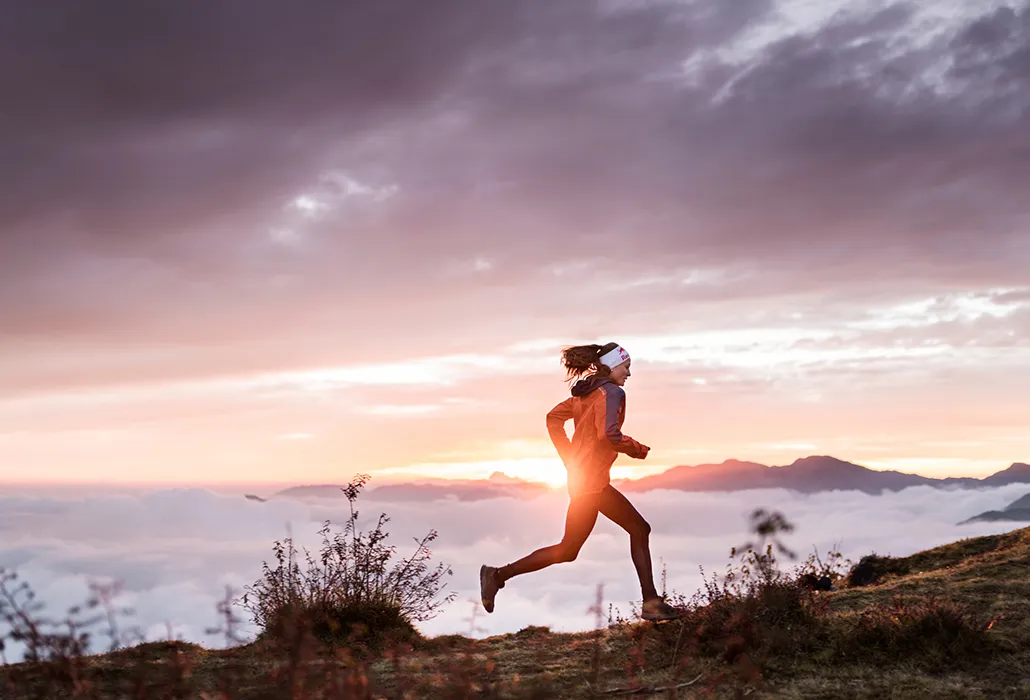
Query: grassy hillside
[953, 622]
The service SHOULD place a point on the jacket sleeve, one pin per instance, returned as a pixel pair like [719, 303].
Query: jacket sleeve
[609, 424]
[556, 419]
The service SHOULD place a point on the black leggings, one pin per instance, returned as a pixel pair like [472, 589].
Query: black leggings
[579, 522]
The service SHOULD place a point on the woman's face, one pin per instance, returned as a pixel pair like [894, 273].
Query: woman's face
[620, 373]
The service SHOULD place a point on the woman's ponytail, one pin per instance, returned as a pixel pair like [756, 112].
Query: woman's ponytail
[579, 360]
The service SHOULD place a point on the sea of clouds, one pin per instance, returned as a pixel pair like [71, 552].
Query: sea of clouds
[175, 552]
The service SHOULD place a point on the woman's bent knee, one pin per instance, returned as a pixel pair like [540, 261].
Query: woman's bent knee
[642, 531]
[566, 554]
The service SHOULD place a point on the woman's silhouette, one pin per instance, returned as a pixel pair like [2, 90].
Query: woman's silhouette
[598, 408]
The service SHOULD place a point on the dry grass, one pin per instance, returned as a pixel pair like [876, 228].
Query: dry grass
[955, 625]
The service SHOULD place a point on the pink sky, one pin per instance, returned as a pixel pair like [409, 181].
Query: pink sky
[240, 261]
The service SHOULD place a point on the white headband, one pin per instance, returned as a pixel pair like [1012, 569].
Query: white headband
[614, 358]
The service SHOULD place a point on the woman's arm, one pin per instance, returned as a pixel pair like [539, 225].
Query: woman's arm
[609, 428]
[556, 419]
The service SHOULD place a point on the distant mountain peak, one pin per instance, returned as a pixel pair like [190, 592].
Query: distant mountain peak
[502, 478]
[1017, 511]
[1018, 472]
[1017, 468]
[740, 463]
[824, 461]
[817, 458]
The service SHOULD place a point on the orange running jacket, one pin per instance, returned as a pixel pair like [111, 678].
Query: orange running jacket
[598, 408]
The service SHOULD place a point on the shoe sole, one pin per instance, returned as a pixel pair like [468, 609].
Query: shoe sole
[482, 590]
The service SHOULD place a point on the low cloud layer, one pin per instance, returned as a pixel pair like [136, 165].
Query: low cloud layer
[176, 551]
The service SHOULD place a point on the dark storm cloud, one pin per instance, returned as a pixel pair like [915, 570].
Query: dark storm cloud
[150, 148]
[156, 117]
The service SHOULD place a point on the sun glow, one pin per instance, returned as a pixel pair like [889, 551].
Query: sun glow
[543, 470]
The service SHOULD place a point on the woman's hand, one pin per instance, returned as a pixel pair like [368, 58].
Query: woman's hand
[641, 451]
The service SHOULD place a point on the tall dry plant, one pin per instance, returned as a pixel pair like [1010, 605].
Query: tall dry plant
[353, 587]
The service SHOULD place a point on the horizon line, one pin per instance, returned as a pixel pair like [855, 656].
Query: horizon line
[414, 478]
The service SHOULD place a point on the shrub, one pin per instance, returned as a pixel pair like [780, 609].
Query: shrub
[818, 575]
[352, 593]
[872, 568]
[756, 608]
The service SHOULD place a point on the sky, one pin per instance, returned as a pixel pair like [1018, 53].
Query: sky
[264, 243]
[175, 553]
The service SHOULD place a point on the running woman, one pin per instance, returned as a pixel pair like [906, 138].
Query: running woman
[597, 408]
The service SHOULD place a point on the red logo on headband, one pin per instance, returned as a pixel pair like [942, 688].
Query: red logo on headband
[623, 354]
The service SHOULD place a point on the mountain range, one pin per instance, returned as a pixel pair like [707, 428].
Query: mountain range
[1017, 511]
[807, 475]
[499, 485]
